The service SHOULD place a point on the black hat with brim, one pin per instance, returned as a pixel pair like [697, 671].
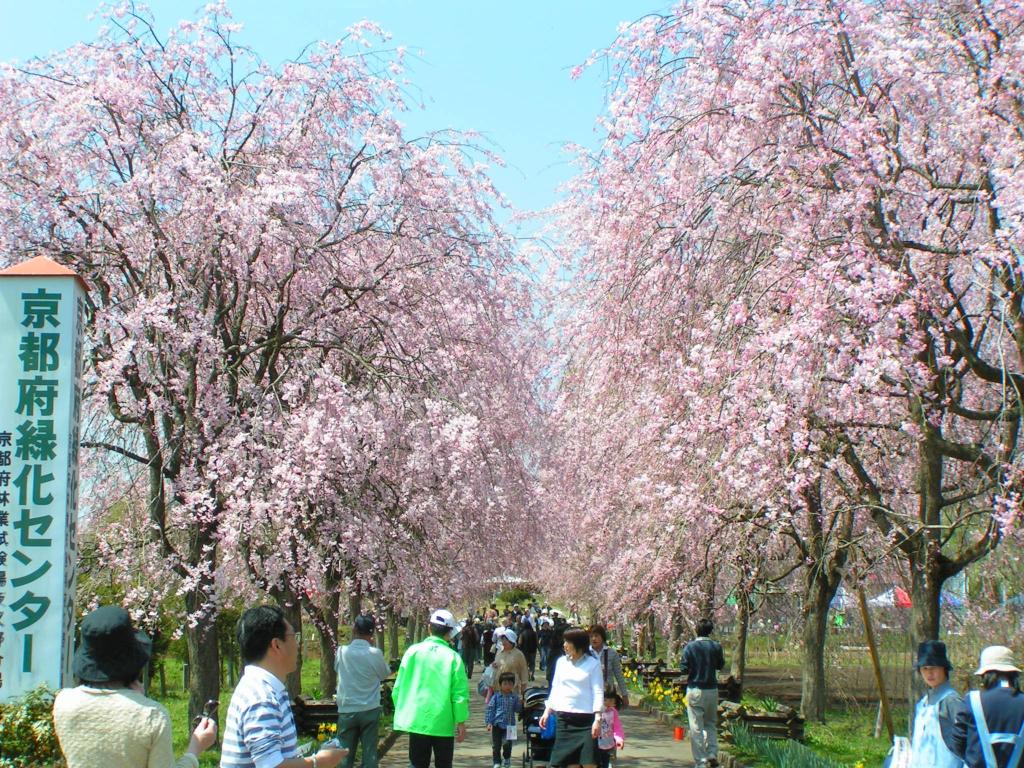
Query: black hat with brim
[110, 649]
[932, 653]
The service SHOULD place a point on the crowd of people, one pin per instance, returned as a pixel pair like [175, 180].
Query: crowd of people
[107, 719]
[533, 629]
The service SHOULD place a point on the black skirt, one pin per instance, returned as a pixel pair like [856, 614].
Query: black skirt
[574, 742]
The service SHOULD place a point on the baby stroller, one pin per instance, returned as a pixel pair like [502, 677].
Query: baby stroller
[537, 747]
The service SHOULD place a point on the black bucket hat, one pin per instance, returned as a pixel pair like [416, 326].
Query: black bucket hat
[110, 649]
[932, 653]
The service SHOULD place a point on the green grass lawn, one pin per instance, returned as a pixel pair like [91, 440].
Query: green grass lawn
[176, 702]
[847, 736]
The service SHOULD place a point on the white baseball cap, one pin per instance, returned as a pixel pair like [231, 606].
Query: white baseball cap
[443, 618]
[509, 635]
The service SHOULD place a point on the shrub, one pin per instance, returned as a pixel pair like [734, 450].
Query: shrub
[518, 595]
[26, 731]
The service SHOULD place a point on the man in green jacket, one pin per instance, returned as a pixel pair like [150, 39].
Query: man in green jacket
[431, 695]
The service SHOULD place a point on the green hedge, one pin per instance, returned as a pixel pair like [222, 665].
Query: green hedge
[26, 731]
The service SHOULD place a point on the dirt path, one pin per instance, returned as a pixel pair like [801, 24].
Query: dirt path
[845, 684]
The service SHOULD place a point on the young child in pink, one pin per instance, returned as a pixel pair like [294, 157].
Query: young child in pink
[611, 737]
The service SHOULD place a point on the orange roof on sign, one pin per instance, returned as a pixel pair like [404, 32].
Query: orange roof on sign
[41, 266]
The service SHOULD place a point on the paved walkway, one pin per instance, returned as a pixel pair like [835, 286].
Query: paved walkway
[649, 743]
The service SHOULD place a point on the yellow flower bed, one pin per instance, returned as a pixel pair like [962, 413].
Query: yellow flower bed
[659, 692]
[326, 731]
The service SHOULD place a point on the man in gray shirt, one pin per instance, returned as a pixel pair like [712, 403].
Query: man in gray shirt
[361, 668]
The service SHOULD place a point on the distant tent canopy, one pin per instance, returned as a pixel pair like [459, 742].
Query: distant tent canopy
[891, 598]
[1016, 602]
[507, 581]
[841, 601]
[951, 600]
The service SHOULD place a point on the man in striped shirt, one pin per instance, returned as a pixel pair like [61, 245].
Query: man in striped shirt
[260, 730]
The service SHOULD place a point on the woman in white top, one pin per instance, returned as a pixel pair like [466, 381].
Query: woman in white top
[576, 702]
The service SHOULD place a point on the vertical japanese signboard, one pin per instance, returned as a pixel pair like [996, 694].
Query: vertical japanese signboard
[41, 321]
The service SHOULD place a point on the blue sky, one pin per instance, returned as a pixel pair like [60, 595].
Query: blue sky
[500, 68]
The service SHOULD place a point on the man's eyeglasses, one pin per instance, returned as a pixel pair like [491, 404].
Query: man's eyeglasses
[292, 633]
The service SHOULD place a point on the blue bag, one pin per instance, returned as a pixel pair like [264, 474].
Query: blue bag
[548, 732]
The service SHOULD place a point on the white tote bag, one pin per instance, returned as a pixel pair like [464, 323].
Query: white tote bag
[900, 753]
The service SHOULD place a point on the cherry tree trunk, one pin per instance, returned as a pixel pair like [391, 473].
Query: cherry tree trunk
[381, 629]
[324, 619]
[393, 650]
[738, 667]
[675, 645]
[813, 686]
[203, 654]
[328, 674]
[201, 639]
[328, 645]
[355, 603]
[708, 586]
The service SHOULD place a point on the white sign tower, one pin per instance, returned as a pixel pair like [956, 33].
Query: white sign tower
[42, 308]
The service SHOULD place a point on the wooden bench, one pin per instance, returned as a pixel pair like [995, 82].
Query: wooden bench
[784, 723]
[311, 713]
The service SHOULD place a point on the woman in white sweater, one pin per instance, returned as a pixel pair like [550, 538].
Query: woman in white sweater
[576, 702]
[106, 720]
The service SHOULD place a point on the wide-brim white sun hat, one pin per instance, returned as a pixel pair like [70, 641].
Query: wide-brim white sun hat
[996, 658]
[509, 635]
